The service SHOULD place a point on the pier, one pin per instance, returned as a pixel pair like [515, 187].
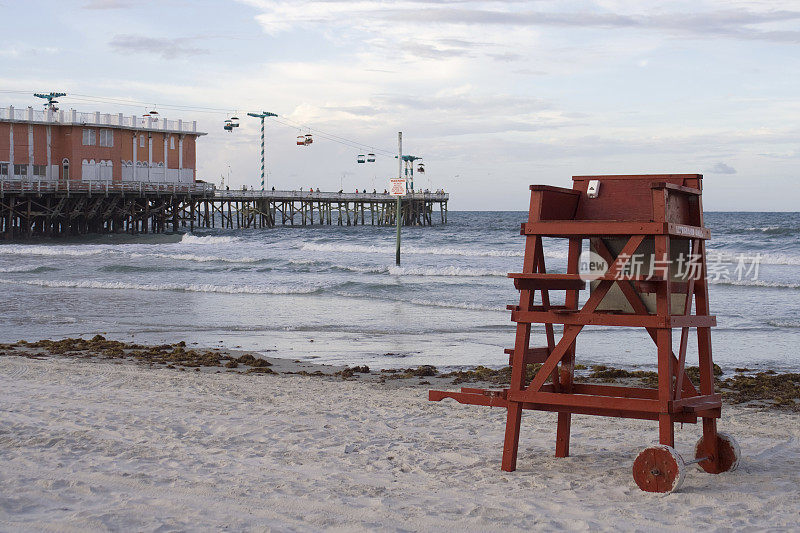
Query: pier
[31, 209]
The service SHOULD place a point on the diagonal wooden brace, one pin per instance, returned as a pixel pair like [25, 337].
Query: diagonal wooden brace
[638, 307]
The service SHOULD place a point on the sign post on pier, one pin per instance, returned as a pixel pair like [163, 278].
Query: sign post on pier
[398, 188]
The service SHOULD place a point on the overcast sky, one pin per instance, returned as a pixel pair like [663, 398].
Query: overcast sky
[494, 95]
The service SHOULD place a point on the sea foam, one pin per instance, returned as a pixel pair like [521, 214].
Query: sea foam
[180, 287]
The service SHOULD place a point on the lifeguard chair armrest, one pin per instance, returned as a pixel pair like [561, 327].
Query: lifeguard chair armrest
[539, 281]
[697, 403]
[677, 188]
[550, 188]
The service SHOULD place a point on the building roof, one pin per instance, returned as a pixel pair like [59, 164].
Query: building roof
[29, 115]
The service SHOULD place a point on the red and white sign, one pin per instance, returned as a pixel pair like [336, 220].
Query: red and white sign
[397, 186]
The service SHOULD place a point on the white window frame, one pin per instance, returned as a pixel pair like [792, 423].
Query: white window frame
[141, 141]
[89, 137]
[106, 137]
[171, 142]
[4, 165]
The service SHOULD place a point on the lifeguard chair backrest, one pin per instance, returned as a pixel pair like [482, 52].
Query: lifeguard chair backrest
[630, 198]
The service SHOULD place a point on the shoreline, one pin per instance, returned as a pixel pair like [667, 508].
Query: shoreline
[760, 389]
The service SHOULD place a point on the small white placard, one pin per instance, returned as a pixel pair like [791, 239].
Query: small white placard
[397, 186]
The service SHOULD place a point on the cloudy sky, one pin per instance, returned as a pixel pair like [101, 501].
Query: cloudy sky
[494, 95]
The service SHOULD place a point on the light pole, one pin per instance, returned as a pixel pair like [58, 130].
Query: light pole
[409, 161]
[262, 116]
[51, 99]
[398, 206]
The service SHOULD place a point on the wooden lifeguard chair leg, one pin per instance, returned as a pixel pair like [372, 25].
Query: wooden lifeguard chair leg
[511, 441]
[666, 366]
[565, 419]
[666, 430]
[568, 362]
[706, 365]
[533, 259]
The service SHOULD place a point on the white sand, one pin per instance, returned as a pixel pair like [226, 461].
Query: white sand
[95, 446]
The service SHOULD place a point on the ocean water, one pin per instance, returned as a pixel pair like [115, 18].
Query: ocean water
[333, 294]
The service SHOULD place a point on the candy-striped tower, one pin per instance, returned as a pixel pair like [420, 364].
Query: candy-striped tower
[262, 116]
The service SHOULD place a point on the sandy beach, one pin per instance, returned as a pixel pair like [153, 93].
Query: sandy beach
[109, 445]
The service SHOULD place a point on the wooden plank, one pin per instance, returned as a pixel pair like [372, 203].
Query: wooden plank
[514, 307]
[676, 188]
[616, 276]
[684, 230]
[615, 390]
[468, 398]
[577, 228]
[590, 319]
[479, 397]
[697, 403]
[692, 321]
[639, 177]
[539, 284]
[585, 400]
[532, 355]
[551, 188]
[580, 228]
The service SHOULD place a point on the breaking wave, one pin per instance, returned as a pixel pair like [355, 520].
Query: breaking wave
[54, 251]
[27, 269]
[756, 283]
[179, 287]
[445, 271]
[415, 250]
[784, 323]
[200, 258]
[748, 258]
[206, 239]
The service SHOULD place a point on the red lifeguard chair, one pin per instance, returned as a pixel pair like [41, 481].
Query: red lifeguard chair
[655, 224]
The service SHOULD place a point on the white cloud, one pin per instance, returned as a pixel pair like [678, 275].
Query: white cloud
[721, 168]
[165, 47]
[109, 4]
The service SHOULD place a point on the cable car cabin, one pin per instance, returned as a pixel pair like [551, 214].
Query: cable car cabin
[235, 122]
[360, 158]
[309, 139]
[421, 168]
[646, 263]
[301, 140]
[370, 158]
[228, 126]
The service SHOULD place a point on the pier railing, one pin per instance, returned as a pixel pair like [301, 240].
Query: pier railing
[73, 117]
[97, 186]
[105, 186]
[326, 196]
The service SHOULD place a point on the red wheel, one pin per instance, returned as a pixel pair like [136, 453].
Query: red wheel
[659, 469]
[729, 454]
